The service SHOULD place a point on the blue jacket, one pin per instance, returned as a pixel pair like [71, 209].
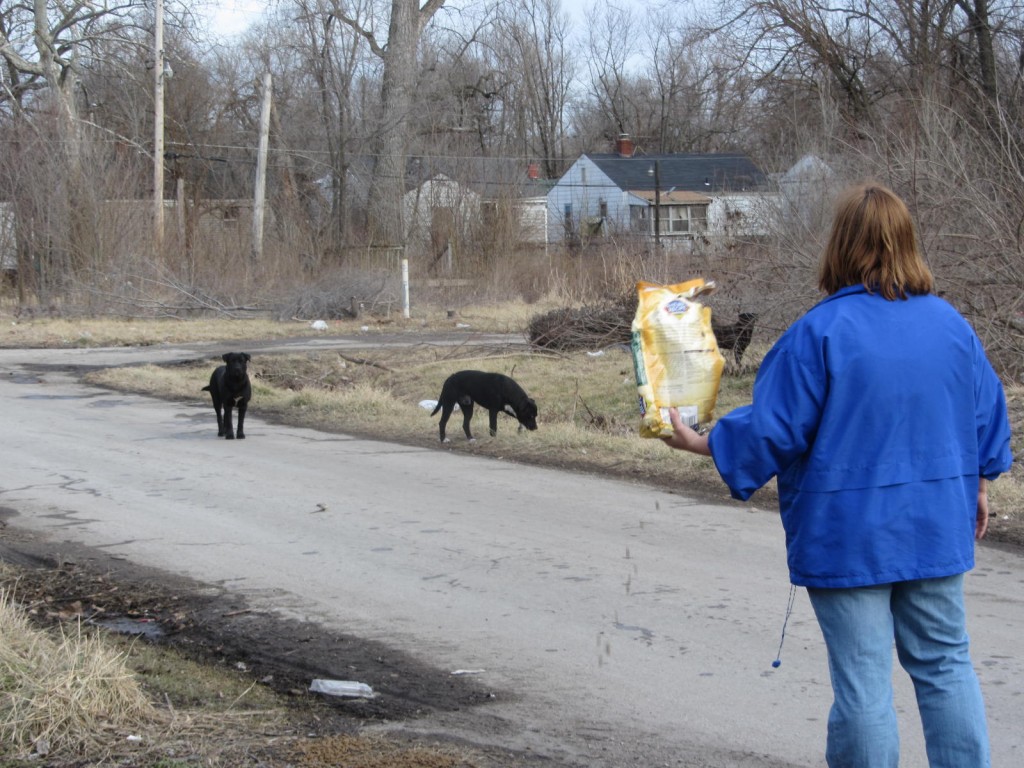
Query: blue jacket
[877, 417]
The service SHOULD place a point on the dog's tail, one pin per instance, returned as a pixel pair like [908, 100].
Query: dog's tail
[207, 389]
[436, 408]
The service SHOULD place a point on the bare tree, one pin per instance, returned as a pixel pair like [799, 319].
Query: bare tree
[43, 47]
[532, 38]
[865, 51]
[611, 43]
[400, 68]
[330, 54]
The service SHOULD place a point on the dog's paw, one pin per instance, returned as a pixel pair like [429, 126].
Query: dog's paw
[445, 440]
[472, 439]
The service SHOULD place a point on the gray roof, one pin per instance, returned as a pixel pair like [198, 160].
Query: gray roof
[693, 172]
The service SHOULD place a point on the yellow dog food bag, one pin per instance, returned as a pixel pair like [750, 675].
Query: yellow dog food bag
[675, 355]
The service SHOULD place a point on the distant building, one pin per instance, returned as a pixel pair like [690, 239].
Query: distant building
[485, 201]
[676, 198]
[806, 192]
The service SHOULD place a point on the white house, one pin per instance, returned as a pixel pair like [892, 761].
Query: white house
[674, 198]
[486, 199]
[439, 213]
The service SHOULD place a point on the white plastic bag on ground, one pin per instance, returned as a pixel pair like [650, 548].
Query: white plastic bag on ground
[344, 688]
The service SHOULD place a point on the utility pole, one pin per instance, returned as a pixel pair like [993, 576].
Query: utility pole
[259, 198]
[158, 132]
[657, 206]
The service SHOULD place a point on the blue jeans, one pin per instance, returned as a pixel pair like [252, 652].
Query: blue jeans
[927, 620]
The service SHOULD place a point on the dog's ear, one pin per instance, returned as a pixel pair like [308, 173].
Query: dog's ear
[245, 356]
[225, 356]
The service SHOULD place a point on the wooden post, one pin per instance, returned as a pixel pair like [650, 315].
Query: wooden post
[657, 206]
[158, 131]
[179, 197]
[405, 288]
[259, 201]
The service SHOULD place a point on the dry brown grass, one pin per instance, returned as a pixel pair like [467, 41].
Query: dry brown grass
[68, 693]
[497, 317]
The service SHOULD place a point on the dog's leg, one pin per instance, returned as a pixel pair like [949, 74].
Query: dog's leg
[218, 409]
[493, 423]
[229, 431]
[446, 412]
[243, 404]
[467, 414]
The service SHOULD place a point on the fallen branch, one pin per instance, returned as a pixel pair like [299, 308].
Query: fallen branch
[361, 361]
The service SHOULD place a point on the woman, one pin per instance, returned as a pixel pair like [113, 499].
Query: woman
[883, 421]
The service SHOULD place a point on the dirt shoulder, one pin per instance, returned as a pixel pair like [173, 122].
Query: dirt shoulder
[62, 584]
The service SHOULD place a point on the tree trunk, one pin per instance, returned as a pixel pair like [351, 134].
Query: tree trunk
[385, 217]
[981, 31]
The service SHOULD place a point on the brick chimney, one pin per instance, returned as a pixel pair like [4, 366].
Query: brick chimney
[533, 171]
[624, 145]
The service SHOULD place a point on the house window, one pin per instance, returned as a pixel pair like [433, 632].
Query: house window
[602, 208]
[231, 216]
[684, 219]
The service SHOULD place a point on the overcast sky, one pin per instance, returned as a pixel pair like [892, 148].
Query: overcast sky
[229, 17]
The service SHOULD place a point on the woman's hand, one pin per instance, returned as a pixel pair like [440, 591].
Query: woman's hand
[686, 438]
[981, 526]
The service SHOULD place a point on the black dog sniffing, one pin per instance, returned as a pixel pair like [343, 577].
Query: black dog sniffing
[736, 336]
[229, 388]
[496, 392]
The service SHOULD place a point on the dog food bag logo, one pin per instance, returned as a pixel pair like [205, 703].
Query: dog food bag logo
[677, 306]
[675, 356]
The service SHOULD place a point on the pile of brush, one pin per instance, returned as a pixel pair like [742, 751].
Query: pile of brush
[588, 327]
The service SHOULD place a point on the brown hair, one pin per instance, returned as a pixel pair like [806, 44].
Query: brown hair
[874, 244]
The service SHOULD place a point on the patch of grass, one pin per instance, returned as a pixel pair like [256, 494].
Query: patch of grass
[186, 684]
[111, 332]
[66, 693]
[45, 332]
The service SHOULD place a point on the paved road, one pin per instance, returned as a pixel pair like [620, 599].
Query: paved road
[621, 626]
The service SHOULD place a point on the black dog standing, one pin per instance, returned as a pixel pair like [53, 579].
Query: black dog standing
[494, 391]
[229, 388]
